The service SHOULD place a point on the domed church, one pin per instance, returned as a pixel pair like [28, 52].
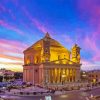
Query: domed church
[47, 62]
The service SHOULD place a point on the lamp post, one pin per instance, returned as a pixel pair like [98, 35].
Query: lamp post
[63, 77]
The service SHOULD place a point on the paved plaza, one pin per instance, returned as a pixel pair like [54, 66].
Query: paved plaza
[72, 95]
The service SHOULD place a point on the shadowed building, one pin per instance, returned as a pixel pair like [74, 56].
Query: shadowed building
[94, 76]
[48, 62]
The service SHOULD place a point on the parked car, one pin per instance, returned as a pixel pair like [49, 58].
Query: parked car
[1, 91]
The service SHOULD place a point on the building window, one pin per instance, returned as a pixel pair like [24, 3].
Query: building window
[36, 70]
[92, 76]
[58, 57]
[37, 59]
[96, 75]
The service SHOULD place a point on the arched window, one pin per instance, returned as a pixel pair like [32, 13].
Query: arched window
[33, 59]
[58, 57]
[28, 60]
[37, 60]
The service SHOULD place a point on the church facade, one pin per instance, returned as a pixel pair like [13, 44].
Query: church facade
[48, 62]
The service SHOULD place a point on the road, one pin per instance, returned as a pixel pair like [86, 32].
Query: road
[79, 95]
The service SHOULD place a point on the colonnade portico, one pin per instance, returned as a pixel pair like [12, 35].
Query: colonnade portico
[60, 75]
[49, 62]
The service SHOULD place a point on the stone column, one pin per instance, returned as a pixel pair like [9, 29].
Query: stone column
[26, 75]
[51, 70]
[57, 75]
[77, 75]
[66, 74]
[69, 74]
[33, 75]
[61, 75]
[49, 76]
[63, 78]
[53, 75]
[46, 76]
[74, 75]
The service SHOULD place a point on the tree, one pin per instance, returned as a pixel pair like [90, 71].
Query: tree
[18, 75]
[1, 78]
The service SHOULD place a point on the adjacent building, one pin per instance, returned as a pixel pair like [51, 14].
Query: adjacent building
[48, 62]
[94, 76]
[6, 75]
[84, 76]
[5, 72]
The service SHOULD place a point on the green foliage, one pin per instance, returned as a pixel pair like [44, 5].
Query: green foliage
[1, 78]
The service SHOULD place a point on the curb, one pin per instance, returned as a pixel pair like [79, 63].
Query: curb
[65, 92]
[46, 94]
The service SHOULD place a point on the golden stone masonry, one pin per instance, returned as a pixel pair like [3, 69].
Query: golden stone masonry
[48, 62]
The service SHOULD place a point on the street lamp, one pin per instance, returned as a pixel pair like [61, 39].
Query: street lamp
[63, 77]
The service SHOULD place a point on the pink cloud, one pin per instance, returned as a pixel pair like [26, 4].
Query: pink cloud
[92, 9]
[35, 22]
[88, 41]
[18, 46]
[13, 67]
[8, 63]
[3, 9]
[10, 27]
[90, 44]
[87, 65]
[39, 25]
[90, 6]
[67, 38]
[11, 54]
[15, 2]
[12, 49]
[11, 57]
[85, 62]
[11, 14]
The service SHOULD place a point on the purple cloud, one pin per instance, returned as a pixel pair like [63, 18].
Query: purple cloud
[10, 27]
[11, 53]
[35, 22]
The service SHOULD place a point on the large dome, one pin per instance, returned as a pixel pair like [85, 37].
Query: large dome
[53, 43]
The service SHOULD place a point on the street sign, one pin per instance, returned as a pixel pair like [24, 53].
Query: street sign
[47, 97]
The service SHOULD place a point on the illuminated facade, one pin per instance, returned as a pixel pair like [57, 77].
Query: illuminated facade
[94, 76]
[48, 62]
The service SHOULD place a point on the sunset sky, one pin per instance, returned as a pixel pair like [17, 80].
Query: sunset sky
[23, 22]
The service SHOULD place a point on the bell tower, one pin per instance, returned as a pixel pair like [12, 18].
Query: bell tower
[76, 54]
[46, 47]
